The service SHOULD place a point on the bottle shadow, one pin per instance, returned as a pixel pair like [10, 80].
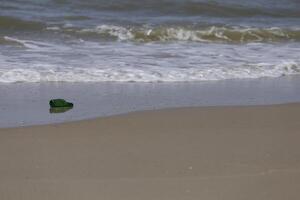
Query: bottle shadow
[59, 110]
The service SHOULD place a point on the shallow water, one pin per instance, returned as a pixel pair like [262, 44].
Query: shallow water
[24, 104]
[147, 41]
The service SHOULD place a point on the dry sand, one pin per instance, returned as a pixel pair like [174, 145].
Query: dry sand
[212, 153]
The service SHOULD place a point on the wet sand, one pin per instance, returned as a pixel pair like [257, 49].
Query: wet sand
[209, 153]
[27, 104]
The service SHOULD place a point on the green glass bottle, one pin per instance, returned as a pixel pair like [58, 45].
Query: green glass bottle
[59, 106]
[58, 103]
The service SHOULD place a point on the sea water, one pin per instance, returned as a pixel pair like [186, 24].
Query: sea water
[118, 56]
[148, 41]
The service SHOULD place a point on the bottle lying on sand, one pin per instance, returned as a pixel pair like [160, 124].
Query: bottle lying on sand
[59, 105]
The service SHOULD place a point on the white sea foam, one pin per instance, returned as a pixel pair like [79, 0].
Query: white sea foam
[151, 62]
[28, 43]
[156, 74]
[14, 40]
[122, 33]
[53, 28]
[196, 34]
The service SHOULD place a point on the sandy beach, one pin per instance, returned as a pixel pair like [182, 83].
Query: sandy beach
[172, 100]
[209, 153]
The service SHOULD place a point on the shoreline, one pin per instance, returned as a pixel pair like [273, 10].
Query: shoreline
[224, 152]
[28, 104]
[167, 109]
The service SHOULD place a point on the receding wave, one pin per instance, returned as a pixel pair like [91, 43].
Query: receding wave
[235, 10]
[171, 7]
[202, 34]
[54, 74]
[11, 23]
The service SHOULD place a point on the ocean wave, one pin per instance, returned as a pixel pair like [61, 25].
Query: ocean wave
[200, 34]
[190, 8]
[219, 8]
[11, 23]
[131, 74]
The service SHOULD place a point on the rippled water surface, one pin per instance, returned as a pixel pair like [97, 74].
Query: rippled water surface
[147, 41]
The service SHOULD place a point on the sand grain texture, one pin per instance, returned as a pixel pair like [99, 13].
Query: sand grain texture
[207, 153]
